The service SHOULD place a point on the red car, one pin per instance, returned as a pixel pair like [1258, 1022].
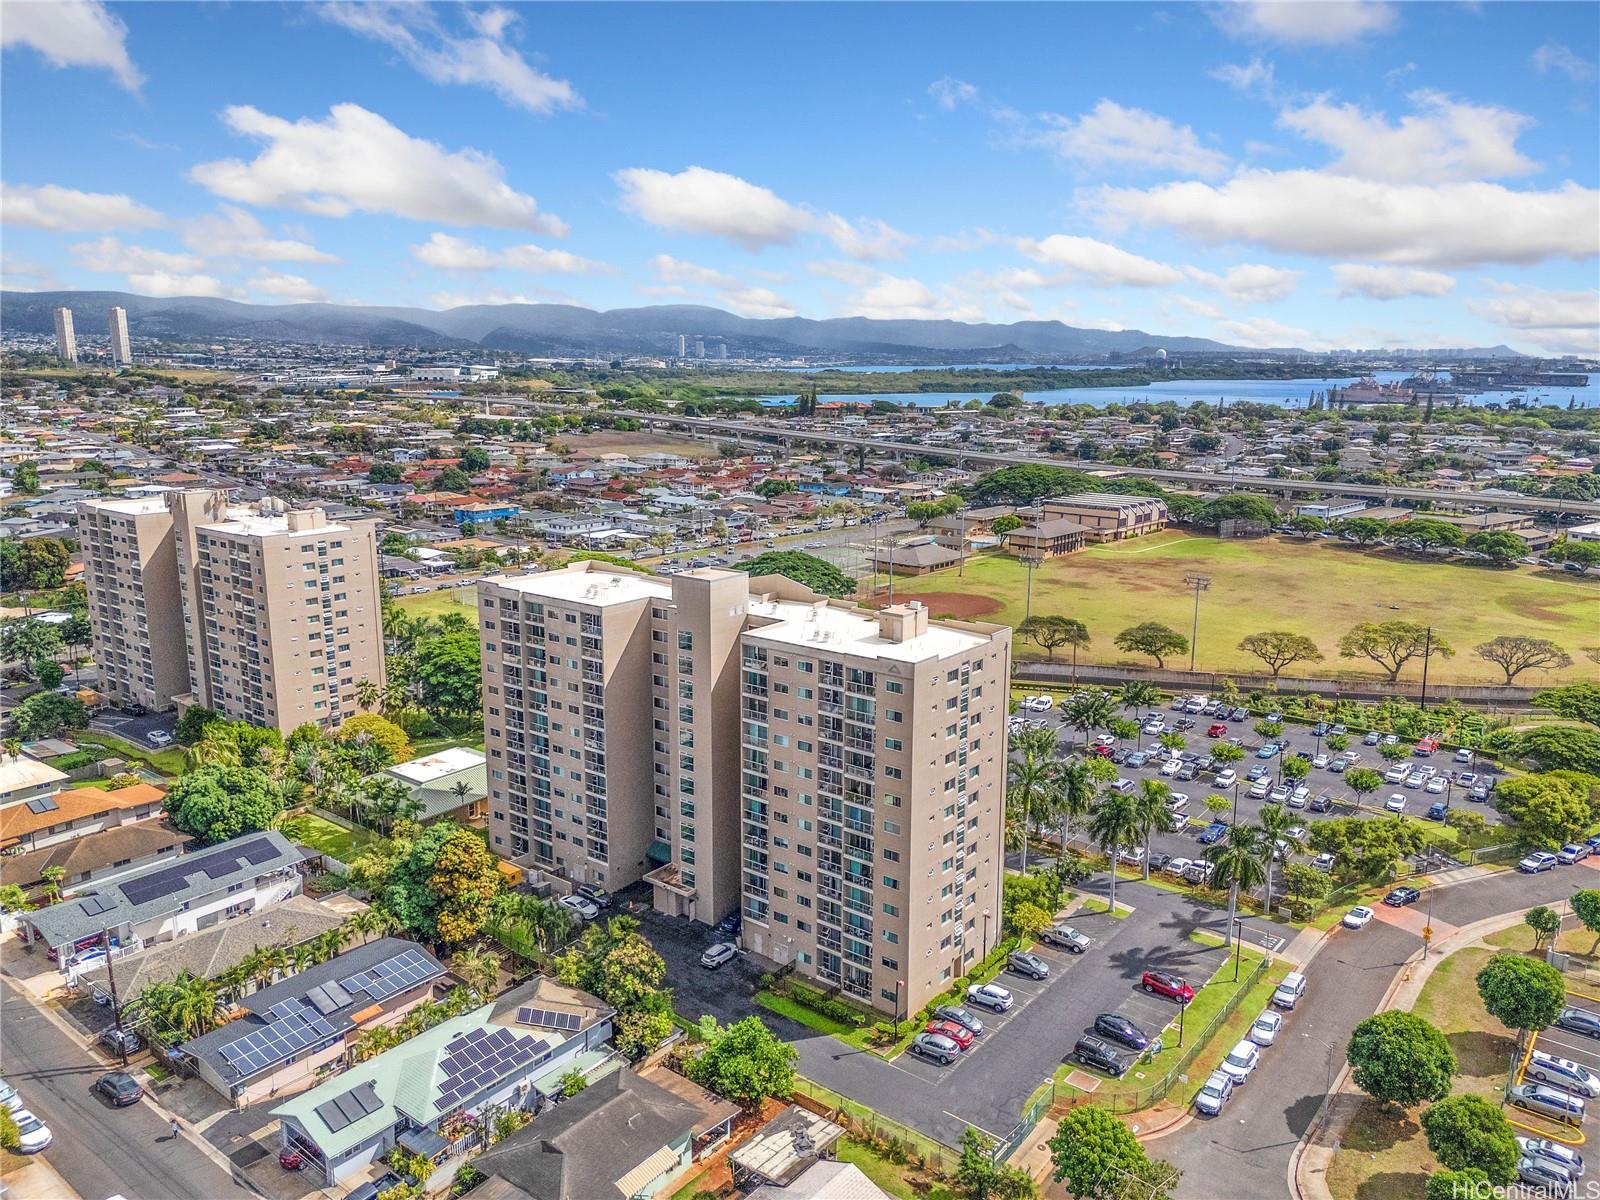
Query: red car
[1102, 751]
[1217, 731]
[959, 1034]
[1165, 983]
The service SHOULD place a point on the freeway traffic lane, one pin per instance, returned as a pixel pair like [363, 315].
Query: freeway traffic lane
[99, 1150]
[1245, 1152]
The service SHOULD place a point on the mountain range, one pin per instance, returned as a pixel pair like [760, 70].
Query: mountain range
[565, 330]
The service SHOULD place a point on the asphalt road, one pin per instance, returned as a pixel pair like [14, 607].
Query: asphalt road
[99, 1150]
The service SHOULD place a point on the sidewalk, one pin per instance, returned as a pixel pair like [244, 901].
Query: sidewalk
[37, 1180]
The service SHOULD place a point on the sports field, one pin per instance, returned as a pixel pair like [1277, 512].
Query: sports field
[463, 600]
[1317, 588]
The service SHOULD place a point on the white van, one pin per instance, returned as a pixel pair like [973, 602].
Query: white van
[1288, 992]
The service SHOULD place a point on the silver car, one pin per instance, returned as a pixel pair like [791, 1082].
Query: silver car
[1563, 1072]
[1548, 1102]
[1065, 936]
[1214, 1093]
[936, 1046]
[1565, 1157]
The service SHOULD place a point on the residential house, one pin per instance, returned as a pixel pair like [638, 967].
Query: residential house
[298, 1030]
[24, 779]
[97, 858]
[828, 1180]
[914, 558]
[450, 783]
[65, 815]
[784, 1149]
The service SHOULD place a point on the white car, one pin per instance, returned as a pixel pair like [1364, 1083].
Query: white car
[1133, 856]
[1396, 773]
[1320, 761]
[1177, 802]
[1241, 1061]
[1280, 793]
[1265, 1030]
[1435, 786]
[1396, 802]
[1172, 766]
[1178, 866]
[1225, 779]
[1038, 703]
[587, 909]
[717, 955]
[9, 1097]
[1357, 917]
[1153, 726]
[33, 1134]
[990, 996]
[158, 737]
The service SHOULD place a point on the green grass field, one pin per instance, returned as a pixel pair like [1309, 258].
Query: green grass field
[1316, 588]
[463, 600]
[322, 834]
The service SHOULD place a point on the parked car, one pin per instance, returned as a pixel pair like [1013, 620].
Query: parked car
[1544, 1175]
[120, 1088]
[716, 955]
[1287, 994]
[1225, 779]
[120, 1040]
[730, 925]
[1401, 896]
[1563, 1072]
[1065, 936]
[1298, 797]
[937, 1047]
[1536, 862]
[1322, 862]
[1265, 1029]
[1357, 917]
[963, 1017]
[1564, 1157]
[1260, 788]
[594, 894]
[1218, 730]
[1371, 738]
[1241, 1061]
[1279, 794]
[158, 738]
[1213, 833]
[1580, 1020]
[1038, 704]
[954, 1030]
[1125, 1032]
[1122, 785]
[1436, 785]
[9, 1097]
[1257, 772]
[1464, 755]
[587, 909]
[1199, 871]
[1270, 750]
[1572, 852]
[1027, 964]
[991, 996]
[1214, 1093]
[1548, 1102]
[1437, 810]
[33, 1135]
[1396, 802]
[1177, 866]
[1165, 983]
[1396, 773]
[1339, 766]
[1101, 1055]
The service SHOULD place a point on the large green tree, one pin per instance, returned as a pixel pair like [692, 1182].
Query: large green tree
[1470, 1133]
[47, 714]
[1093, 1153]
[447, 669]
[1521, 992]
[1398, 1058]
[1547, 808]
[1561, 748]
[1516, 654]
[440, 889]
[1279, 648]
[218, 803]
[815, 573]
[746, 1063]
[981, 1177]
[1050, 632]
[1152, 638]
[1392, 644]
[1572, 702]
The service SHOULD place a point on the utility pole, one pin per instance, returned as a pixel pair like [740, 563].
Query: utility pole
[1427, 653]
[1200, 583]
[1030, 561]
[116, 1005]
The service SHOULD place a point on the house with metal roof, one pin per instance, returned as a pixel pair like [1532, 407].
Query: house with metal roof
[449, 783]
[510, 1054]
[299, 1029]
[168, 900]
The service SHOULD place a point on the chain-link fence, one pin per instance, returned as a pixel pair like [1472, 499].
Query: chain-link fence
[874, 1127]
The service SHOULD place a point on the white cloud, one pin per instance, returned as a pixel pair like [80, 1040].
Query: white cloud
[681, 279]
[108, 256]
[1111, 135]
[480, 56]
[64, 209]
[1250, 283]
[897, 298]
[167, 283]
[1390, 283]
[1265, 333]
[462, 300]
[1305, 22]
[1445, 139]
[355, 161]
[1255, 76]
[1312, 212]
[71, 33]
[291, 288]
[1553, 56]
[232, 232]
[1560, 322]
[1199, 308]
[675, 270]
[967, 240]
[758, 302]
[950, 93]
[449, 253]
[715, 204]
[19, 275]
[1099, 262]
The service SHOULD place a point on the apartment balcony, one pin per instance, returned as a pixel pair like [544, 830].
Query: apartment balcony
[756, 839]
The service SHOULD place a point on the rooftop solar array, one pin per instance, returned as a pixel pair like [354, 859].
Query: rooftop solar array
[549, 1018]
[350, 1107]
[481, 1058]
[286, 1036]
[217, 863]
[393, 975]
[95, 905]
[43, 804]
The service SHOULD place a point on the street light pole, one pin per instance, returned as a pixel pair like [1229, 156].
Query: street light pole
[1427, 653]
[1238, 945]
[1030, 561]
[1199, 583]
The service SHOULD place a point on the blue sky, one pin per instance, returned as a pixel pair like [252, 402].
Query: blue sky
[1312, 174]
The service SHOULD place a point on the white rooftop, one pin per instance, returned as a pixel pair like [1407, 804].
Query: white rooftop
[820, 627]
[20, 773]
[599, 588]
[248, 523]
[438, 765]
[132, 506]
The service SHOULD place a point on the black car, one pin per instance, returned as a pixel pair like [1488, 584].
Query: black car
[1320, 729]
[1122, 1031]
[1120, 754]
[731, 924]
[1304, 754]
[1402, 896]
[594, 894]
[1101, 1055]
[120, 1088]
[1159, 860]
[1320, 804]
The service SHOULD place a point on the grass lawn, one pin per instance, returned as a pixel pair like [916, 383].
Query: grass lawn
[1334, 586]
[322, 834]
[463, 600]
[423, 747]
[1384, 1155]
[1208, 1002]
[168, 761]
[898, 1179]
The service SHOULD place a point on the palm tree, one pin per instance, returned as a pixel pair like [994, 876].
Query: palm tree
[367, 694]
[190, 1005]
[210, 751]
[478, 969]
[1275, 825]
[454, 622]
[274, 961]
[1236, 864]
[231, 981]
[1153, 804]
[1115, 823]
[395, 700]
[1088, 710]
[52, 878]
[302, 956]
[1139, 695]
[1076, 796]
[1031, 775]
[385, 798]
[461, 789]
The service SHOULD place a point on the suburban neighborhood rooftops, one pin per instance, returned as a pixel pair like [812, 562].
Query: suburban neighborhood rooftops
[22, 820]
[92, 852]
[20, 773]
[165, 887]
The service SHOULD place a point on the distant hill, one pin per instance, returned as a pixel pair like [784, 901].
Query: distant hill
[560, 330]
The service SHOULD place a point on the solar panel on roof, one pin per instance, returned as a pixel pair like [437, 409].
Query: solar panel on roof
[219, 866]
[285, 1009]
[321, 1001]
[331, 1116]
[259, 851]
[366, 1097]
[43, 804]
[95, 905]
[337, 994]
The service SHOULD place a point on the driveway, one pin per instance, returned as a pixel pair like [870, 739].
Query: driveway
[131, 728]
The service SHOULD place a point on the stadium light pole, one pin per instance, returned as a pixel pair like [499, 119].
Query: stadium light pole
[1200, 583]
[1030, 561]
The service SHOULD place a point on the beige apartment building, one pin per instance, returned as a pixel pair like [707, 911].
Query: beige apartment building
[836, 774]
[265, 615]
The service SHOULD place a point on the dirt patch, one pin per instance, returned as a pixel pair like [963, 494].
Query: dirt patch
[962, 606]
